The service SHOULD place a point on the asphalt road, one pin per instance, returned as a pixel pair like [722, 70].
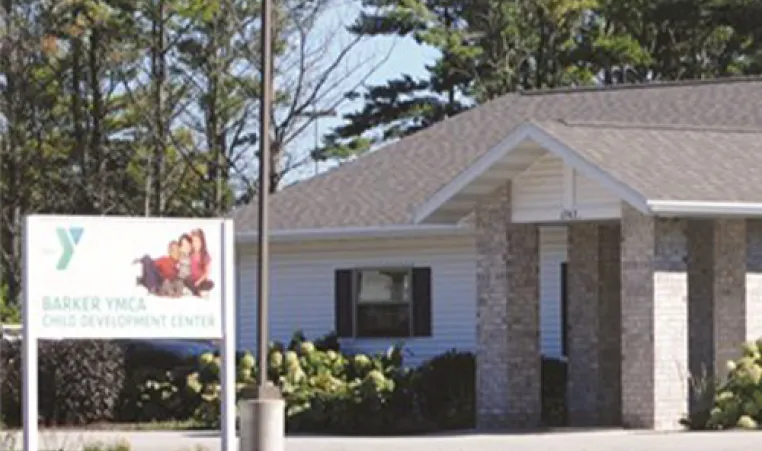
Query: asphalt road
[611, 440]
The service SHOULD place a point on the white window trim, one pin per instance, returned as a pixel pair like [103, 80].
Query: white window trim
[355, 301]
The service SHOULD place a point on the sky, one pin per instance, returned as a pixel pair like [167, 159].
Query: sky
[405, 56]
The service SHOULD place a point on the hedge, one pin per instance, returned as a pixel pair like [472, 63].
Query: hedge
[326, 390]
[80, 381]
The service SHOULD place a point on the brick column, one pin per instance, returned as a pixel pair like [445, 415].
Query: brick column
[654, 321]
[700, 311]
[583, 299]
[508, 348]
[524, 379]
[610, 311]
[718, 300]
[492, 396]
[594, 324]
[729, 291]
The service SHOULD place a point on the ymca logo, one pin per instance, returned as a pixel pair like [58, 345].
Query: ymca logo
[69, 238]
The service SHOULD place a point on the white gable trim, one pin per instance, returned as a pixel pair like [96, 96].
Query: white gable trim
[532, 132]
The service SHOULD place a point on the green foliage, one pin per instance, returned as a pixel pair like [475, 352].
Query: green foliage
[155, 377]
[118, 446]
[10, 312]
[494, 47]
[445, 387]
[80, 381]
[738, 399]
[157, 396]
[146, 108]
[327, 391]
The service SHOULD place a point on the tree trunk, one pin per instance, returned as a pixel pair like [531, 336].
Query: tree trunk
[98, 183]
[82, 202]
[155, 201]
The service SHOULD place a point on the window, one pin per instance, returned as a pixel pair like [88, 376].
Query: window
[383, 302]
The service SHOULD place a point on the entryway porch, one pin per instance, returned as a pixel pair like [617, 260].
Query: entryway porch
[653, 298]
[651, 304]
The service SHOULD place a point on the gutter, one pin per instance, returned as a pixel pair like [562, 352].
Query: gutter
[344, 233]
[698, 208]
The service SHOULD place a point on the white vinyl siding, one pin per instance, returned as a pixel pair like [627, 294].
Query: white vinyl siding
[537, 193]
[592, 201]
[302, 290]
[553, 247]
[544, 191]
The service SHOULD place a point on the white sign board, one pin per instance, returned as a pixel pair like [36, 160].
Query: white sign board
[91, 277]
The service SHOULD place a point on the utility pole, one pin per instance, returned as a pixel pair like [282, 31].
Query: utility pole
[263, 424]
[263, 260]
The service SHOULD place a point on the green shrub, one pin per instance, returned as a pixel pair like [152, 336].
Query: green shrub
[703, 387]
[155, 388]
[97, 446]
[324, 390]
[204, 387]
[445, 389]
[330, 392]
[738, 400]
[10, 312]
[159, 398]
[80, 381]
[327, 391]
[328, 342]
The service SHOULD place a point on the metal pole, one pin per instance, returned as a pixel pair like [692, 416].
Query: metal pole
[263, 423]
[2, 369]
[263, 260]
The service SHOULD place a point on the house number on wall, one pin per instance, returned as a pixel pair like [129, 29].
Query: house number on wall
[569, 214]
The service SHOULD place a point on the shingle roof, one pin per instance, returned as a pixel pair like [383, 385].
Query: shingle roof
[383, 187]
[675, 163]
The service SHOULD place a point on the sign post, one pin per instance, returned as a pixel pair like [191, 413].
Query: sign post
[89, 277]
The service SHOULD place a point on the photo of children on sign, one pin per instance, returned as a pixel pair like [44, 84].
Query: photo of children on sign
[184, 270]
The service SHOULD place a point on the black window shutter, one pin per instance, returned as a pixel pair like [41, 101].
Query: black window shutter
[344, 310]
[422, 302]
[564, 311]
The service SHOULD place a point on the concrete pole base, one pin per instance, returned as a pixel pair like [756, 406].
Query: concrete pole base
[263, 424]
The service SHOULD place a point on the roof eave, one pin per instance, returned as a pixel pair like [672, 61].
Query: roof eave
[682, 208]
[344, 233]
